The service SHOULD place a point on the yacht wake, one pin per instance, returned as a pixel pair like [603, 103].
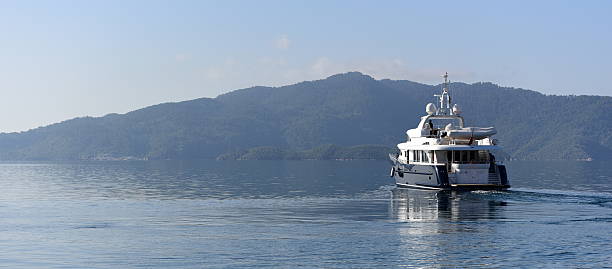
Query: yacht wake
[586, 194]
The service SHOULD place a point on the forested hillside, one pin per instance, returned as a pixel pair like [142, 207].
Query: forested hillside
[344, 110]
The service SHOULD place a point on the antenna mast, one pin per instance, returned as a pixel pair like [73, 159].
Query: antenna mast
[445, 98]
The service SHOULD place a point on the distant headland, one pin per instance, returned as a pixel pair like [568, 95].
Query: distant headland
[345, 116]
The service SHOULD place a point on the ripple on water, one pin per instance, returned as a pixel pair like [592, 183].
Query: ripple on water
[290, 214]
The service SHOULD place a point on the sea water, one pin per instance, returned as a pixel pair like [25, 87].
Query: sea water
[307, 214]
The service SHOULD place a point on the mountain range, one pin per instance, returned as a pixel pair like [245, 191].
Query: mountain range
[344, 112]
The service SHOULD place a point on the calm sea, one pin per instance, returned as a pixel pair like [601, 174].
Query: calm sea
[308, 214]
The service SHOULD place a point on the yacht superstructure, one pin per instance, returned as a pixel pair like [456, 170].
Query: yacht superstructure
[441, 153]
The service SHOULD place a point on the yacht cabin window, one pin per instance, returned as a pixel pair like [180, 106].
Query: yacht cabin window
[422, 156]
[467, 156]
[452, 156]
[425, 158]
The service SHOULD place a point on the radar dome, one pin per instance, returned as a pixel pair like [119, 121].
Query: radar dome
[456, 109]
[430, 109]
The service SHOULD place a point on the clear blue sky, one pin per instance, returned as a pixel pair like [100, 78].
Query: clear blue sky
[63, 59]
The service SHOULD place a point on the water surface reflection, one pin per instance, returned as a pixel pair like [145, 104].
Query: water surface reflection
[421, 205]
[438, 228]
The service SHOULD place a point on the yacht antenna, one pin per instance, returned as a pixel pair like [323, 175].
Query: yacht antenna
[444, 98]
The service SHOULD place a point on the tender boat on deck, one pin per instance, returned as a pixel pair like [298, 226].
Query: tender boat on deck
[441, 153]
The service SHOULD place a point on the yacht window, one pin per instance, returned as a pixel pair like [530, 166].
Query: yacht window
[467, 156]
[473, 156]
[483, 155]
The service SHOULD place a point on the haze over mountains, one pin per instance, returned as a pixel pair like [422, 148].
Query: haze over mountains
[345, 110]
